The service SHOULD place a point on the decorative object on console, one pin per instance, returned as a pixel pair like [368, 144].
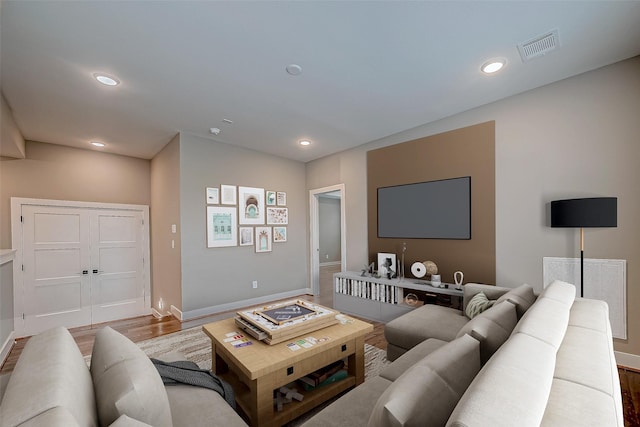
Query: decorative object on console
[411, 299]
[587, 212]
[458, 278]
[418, 270]
[387, 265]
[436, 281]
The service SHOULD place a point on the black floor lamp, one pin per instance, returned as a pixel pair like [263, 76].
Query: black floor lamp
[589, 212]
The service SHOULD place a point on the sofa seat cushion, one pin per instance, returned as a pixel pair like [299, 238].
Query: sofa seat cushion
[126, 382]
[410, 358]
[591, 314]
[352, 409]
[522, 296]
[590, 368]
[428, 321]
[511, 389]
[492, 328]
[50, 373]
[427, 392]
[574, 405]
[196, 406]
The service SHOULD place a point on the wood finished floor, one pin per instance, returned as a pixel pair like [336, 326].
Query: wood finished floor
[146, 327]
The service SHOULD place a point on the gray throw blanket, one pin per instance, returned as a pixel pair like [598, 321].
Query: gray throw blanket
[186, 372]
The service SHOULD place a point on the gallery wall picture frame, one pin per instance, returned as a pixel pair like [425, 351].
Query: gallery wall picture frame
[263, 239]
[213, 195]
[246, 236]
[270, 198]
[277, 216]
[222, 226]
[281, 198]
[228, 195]
[279, 234]
[251, 205]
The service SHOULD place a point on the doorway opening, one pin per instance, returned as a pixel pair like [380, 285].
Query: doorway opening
[328, 239]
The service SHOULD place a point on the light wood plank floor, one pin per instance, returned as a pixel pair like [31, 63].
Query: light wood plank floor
[142, 328]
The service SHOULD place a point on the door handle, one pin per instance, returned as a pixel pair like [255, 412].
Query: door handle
[96, 271]
[84, 272]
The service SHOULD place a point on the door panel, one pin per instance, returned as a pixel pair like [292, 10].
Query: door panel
[56, 292]
[117, 256]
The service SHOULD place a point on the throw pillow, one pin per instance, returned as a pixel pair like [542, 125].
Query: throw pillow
[478, 304]
[492, 328]
[522, 297]
[126, 382]
[426, 393]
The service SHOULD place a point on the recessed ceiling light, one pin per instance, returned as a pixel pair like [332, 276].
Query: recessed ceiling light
[97, 144]
[294, 69]
[106, 79]
[214, 131]
[304, 142]
[493, 66]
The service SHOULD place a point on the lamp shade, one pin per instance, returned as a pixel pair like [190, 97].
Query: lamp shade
[588, 212]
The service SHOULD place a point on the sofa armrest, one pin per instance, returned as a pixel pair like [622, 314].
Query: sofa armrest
[491, 291]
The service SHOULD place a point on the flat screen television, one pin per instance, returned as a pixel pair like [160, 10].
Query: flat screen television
[426, 210]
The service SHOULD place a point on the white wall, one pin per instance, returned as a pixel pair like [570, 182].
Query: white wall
[213, 277]
[574, 138]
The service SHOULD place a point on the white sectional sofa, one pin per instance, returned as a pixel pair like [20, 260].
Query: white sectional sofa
[554, 366]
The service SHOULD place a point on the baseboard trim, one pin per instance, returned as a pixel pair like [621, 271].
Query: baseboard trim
[207, 311]
[628, 360]
[175, 312]
[6, 347]
[326, 264]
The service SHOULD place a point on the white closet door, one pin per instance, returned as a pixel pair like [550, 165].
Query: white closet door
[117, 261]
[56, 288]
[79, 264]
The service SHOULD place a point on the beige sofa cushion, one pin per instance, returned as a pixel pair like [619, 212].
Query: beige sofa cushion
[492, 328]
[522, 296]
[560, 291]
[410, 358]
[426, 393]
[352, 409]
[50, 373]
[126, 382]
[512, 388]
[547, 320]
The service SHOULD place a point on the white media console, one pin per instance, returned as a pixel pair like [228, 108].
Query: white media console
[380, 299]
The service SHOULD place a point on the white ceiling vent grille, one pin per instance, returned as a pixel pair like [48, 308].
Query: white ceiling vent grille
[539, 45]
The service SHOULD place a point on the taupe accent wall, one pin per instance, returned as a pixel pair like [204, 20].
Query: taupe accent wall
[468, 151]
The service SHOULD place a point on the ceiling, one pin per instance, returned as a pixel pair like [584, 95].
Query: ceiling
[369, 68]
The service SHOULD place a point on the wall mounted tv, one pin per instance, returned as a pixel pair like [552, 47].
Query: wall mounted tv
[426, 210]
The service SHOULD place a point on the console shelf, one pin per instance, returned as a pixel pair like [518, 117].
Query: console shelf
[379, 299]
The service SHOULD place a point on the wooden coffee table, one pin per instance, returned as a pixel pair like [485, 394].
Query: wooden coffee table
[256, 370]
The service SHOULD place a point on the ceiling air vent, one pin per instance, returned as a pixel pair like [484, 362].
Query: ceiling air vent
[539, 45]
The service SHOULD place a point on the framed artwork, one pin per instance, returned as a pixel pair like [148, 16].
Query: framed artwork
[281, 198]
[263, 239]
[228, 194]
[213, 196]
[277, 216]
[386, 264]
[279, 234]
[251, 205]
[222, 226]
[271, 198]
[246, 236]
